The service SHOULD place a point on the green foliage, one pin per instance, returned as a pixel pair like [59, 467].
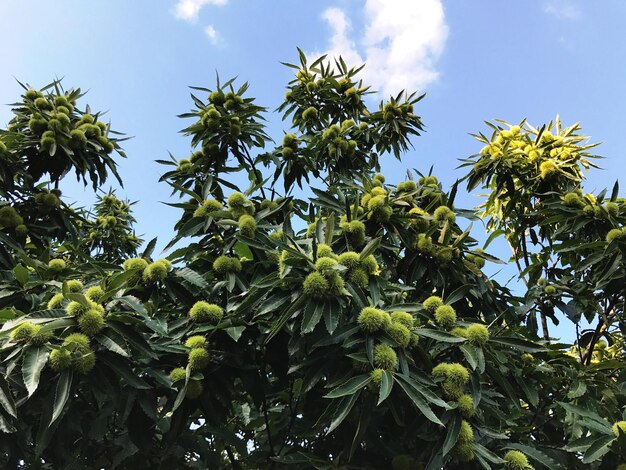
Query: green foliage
[351, 329]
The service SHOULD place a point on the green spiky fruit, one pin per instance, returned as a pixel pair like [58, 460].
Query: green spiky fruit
[24, 331]
[21, 231]
[195, 342]
[355, 232]
[156, 271]
[94, 293]
[549, 290]
[60, 359]
[194, 389]
[310, 113]
[139, 264]
[226, 264]
[290, 140]
[615, 234]
[444, 214]
[75, 309]
[31, 94]
[370, 264]
[464, 452]
[204, 312]
[404, 318]
[458, 373]
[9, 217]
[377, 376]
[236, 200]
[315, 285]
[431, 304]
[618, 427]
[217, 97]
[335, 283]
[372, 319]
[477, 334]
[207, 207]
[385, 357]
[84, 362]
[399, 333]
[42, 103]
[547, 169]
[406, 186]
[466, 406]
[247, 225]
[516, 460]
[76, 342]
[325, 264]
[349, 259]
[571, 200]
[91, 322]
[198, 359]
[178, 374]
[376, 203]
[359, 277]
[466, 434]
[77, 138]
[56, 301]
[325, 251]
[56, 265]
[74, 286]
[445, 316]
[40, 338]
[458, 331]
[612, 209]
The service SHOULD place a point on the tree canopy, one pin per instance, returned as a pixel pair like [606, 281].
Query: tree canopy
[323, 316]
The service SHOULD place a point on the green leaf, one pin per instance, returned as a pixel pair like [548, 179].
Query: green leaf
[312, 316]
[454, 427]
[471, 354]
[6, 399]
[235, 332]
[386, 384]
[134, 304]
[119, 279]
[538, 456]
[114, 342]
[517, 343]
[439, 335]
[419, 402]
[345, 406]
[579, 411]
[577, 389]
[192, 277]
[21, 274]
[121, 368]
[331, 316]
[61, 394]
[284, 317]
[458, 294]
[598, 449]
[350, 386]
[487, 454]
[34, 361]
[369, 248]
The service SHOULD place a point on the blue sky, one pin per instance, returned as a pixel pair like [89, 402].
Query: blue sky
[475, 60]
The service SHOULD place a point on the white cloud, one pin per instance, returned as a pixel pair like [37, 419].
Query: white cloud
[212, 34]
[563, 9]
[400, 43]
[188, 9]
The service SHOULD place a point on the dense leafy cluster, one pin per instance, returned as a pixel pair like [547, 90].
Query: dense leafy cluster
[352, 329]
